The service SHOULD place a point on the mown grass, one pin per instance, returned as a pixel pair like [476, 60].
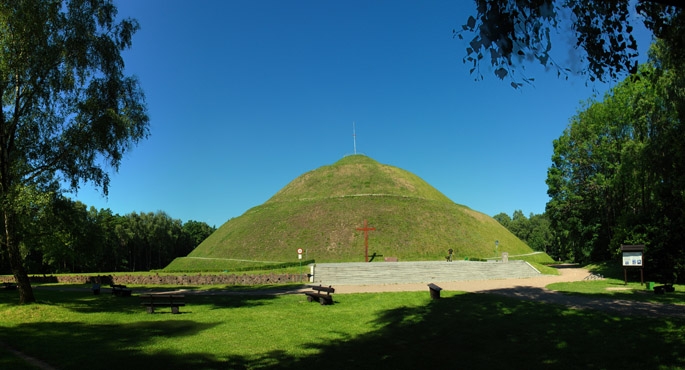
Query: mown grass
[545, 269]
[193, 264]
[73, 329]
[617, 289]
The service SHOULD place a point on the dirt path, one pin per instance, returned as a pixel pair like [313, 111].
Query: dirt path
[534, 289]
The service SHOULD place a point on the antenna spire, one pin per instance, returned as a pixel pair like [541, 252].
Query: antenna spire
[354, 137]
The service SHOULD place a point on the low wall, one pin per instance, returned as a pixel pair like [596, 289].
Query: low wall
[171, 279]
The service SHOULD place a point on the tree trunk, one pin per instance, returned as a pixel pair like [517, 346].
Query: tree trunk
[18, 270]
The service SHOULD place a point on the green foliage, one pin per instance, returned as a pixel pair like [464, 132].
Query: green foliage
[197, 231]
[69, 113]
[508, 35]
[321, 210]
[534, 231]
[503, 219]
[68, 237]
[617, 174]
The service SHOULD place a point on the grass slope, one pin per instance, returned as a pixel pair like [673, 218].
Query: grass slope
[321, 210]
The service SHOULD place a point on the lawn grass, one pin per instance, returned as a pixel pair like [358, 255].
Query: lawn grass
[617, 289]
[194, 264]
[73, 329]
[544, 269]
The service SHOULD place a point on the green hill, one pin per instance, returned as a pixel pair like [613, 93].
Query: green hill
[321, 210]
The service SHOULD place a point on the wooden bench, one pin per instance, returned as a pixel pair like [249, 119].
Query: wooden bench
[316, 294]
[434, 291]
[120, 290]
[162, 300]
[8, 286]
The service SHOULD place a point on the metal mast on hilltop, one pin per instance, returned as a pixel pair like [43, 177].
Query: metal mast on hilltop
[354, 138]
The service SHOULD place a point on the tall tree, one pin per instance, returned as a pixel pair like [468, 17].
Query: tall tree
[534, 231]
[68, 110]
[618, 175]
[196, 232]
[503, 219]
[508, 34]
[540, 238]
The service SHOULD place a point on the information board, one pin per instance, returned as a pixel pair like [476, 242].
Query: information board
[632, 258]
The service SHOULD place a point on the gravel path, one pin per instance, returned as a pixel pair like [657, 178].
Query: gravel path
[534, 289]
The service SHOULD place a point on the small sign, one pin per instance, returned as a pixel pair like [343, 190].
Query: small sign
[299, 251]
[632, 258]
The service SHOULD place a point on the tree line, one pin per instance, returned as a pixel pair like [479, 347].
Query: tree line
[618, 175]
[66, 236]
[618, 170]
[535, 230]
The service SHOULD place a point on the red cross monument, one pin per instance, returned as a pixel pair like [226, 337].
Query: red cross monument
[366, 230]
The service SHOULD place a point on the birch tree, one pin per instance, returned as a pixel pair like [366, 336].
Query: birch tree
[69, 113]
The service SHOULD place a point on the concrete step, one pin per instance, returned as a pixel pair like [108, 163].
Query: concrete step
[362, 273]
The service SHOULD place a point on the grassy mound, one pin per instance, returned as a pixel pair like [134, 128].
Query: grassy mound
[321, 210]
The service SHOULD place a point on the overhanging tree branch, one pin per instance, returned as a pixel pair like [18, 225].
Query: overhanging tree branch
[509, 34]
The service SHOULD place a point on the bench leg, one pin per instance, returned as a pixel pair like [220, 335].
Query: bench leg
[150, 309]
[174, 309]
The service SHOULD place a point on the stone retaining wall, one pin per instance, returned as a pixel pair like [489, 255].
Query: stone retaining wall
[172, 279]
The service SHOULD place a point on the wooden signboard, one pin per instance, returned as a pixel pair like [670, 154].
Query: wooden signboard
[633, 258]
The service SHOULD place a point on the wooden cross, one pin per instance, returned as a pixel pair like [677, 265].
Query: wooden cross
[366, 230]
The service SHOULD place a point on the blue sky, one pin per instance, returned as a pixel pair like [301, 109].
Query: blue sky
[245, 96]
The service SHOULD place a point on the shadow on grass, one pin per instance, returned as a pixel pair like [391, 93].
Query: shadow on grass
[618, 290]
[482, 331]
[614, 304]
[463, 331]
[9, 360]
[83, 301]
[116, 345]
[110, 346]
